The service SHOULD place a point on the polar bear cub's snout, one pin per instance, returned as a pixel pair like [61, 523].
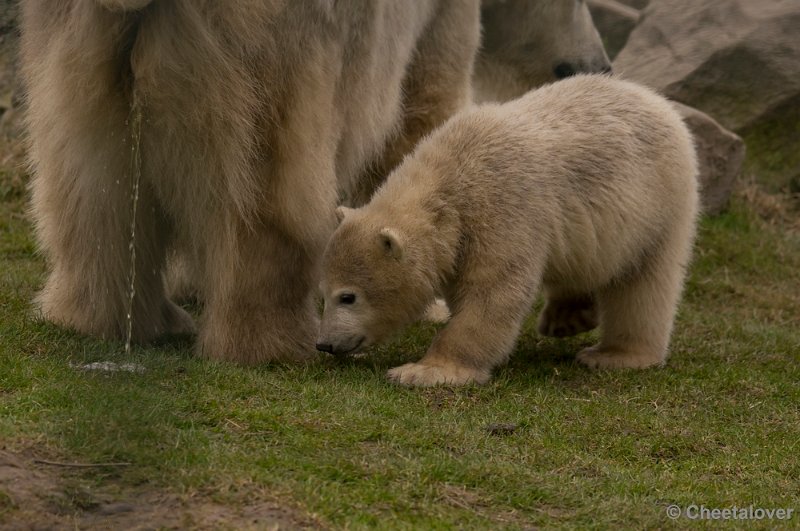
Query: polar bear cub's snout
[374, 283]
[342, 330]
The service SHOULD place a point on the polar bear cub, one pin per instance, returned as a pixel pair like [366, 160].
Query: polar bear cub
[586, 188]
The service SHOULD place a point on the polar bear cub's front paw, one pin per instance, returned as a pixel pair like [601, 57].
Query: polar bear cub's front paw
[424, 375]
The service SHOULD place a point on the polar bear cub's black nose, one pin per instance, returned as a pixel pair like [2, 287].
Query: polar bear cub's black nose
[325, 347]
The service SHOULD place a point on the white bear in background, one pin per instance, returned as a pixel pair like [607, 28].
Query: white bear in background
[527, 43]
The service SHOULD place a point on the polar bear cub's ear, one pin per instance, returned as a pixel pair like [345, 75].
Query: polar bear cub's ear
[392, 242]
[342, 212]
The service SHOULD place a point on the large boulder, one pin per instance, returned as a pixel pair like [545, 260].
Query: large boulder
[719, 155]
[736, 60]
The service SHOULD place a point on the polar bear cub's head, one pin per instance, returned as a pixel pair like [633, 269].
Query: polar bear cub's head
[376, 278]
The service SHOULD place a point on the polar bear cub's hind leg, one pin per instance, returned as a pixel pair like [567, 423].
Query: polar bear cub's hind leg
[637, 312]
[567, 315]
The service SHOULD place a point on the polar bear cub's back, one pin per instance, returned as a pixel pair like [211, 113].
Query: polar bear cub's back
[606, 163]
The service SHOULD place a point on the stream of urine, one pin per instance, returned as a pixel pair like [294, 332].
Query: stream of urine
[135, 124]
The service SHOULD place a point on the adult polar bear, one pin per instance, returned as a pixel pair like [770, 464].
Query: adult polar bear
[254, 116]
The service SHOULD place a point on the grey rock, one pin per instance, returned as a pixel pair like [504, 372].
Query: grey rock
[736, 60]
[716, 55]
[720, 154]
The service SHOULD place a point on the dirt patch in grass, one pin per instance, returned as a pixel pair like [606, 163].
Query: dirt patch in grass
[35, 494]
[464, 498]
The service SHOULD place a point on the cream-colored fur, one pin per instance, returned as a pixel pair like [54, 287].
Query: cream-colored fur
[527, 43]
[585, 188]
[256, 116]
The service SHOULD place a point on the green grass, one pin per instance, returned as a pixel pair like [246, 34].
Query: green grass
[773, 149]
[719, 426]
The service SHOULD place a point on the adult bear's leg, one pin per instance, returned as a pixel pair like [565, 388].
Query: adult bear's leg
[261, 273]
[83, 155]
[436, 86]
[261, 270]
[259, 304]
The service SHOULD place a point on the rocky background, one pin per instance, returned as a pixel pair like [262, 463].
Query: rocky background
[733, 64]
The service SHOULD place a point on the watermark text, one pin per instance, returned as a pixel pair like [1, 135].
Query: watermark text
[702, 512]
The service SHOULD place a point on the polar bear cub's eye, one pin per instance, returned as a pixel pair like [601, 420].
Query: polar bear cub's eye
[347, 298]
